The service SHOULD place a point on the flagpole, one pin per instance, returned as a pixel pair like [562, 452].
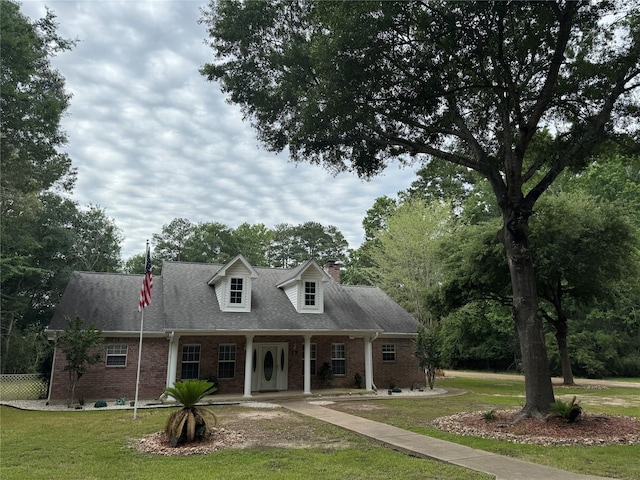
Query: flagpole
[145, 300]
[135, 405]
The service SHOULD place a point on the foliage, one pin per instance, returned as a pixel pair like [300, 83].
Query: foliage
[428, 347]
[98, 244]
[190, 423]
[357, 380]
[570, 410]
[292, 245]
[403, 255]
[479, 335]
[468, 84]
[80, 346]
[325, 374]
[489, 414]
[212, 242]
[32, 101]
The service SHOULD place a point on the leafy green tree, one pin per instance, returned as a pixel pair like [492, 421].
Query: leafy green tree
[479, 335]
[292, 245]
[582, 248]
[427, 350]
[403, 259]
[353, 85]
[253, 242]
[80, 345]
[34, 221]
[190, 423]
[136, 264]
[210, 242]
[98, 241]
[170, 244]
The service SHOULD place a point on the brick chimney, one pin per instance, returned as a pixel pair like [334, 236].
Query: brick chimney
[332, 267]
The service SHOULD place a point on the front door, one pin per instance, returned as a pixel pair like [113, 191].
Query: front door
[269, 374]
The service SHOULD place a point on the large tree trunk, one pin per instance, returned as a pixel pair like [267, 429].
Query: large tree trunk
[538, 387]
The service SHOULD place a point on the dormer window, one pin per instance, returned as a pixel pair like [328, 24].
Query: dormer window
[309, 294]
[233, 285]
[236, 290]
[304, 287]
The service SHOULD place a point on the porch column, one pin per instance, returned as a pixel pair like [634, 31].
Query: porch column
[368, 363]
[307, 364]
[248, 366]
[172, 360]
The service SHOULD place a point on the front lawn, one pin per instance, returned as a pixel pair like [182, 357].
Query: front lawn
[96, 445]
[483, 395]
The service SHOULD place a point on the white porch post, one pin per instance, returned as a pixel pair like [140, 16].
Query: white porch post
[248, 366]
[368, 363]
[307, 364]
[172, 361]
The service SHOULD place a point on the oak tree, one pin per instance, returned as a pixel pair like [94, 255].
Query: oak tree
[355, 85]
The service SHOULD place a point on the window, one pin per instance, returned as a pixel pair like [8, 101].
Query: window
[338, 359]
[226, 361]
[117, 355]
[314, 358]
[236, 290]
[309, 293]
[190, 362]
[389, 352]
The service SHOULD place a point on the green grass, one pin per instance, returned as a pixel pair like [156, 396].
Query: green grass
[95, 445]
[487, 394]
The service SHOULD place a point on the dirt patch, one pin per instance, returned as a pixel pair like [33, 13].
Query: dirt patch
[588, 430]
[275, 428]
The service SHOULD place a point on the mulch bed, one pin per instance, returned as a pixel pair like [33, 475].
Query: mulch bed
[588, 430]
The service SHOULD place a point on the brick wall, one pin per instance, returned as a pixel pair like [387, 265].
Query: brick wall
[109, 383]
[105, 383]
[403, 372]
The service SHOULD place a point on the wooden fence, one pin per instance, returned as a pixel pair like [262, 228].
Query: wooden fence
[26, 386]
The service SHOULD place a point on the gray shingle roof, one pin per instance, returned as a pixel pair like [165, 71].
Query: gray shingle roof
[182, 300]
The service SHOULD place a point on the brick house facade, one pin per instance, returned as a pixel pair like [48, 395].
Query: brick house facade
[248, 329]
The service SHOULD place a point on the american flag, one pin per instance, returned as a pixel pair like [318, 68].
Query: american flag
[147, 284]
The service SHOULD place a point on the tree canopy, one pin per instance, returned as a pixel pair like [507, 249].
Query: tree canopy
[354, 85]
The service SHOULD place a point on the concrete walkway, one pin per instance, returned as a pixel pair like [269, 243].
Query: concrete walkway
[501, 467]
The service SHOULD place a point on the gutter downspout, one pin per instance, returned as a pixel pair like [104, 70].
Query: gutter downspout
[369, 383]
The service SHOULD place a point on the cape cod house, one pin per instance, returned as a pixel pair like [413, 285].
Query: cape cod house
[251, 329]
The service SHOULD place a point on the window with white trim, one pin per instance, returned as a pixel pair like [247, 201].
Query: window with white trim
[237, 285]
[116, 355]
[309, 294]
[227, 361]
[339, 358]
[190, 362]
[314, 359]
[389, 352]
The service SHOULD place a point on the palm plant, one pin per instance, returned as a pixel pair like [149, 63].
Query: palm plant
[570, 411]
[190, 423]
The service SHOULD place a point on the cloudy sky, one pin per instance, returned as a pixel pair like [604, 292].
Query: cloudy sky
[153, 140]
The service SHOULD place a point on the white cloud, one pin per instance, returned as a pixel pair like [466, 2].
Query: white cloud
[153, 140]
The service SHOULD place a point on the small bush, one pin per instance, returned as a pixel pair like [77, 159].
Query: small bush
[570, 411]
[357, 380]
[490, 415]
[326, 374]
[100, 404]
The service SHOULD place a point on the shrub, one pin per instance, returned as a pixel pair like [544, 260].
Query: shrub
[357, 379]
[190, 423]
[326, 374]
[490, 415]
[570, 411]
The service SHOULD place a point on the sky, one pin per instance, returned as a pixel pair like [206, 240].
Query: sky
[153, 140]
